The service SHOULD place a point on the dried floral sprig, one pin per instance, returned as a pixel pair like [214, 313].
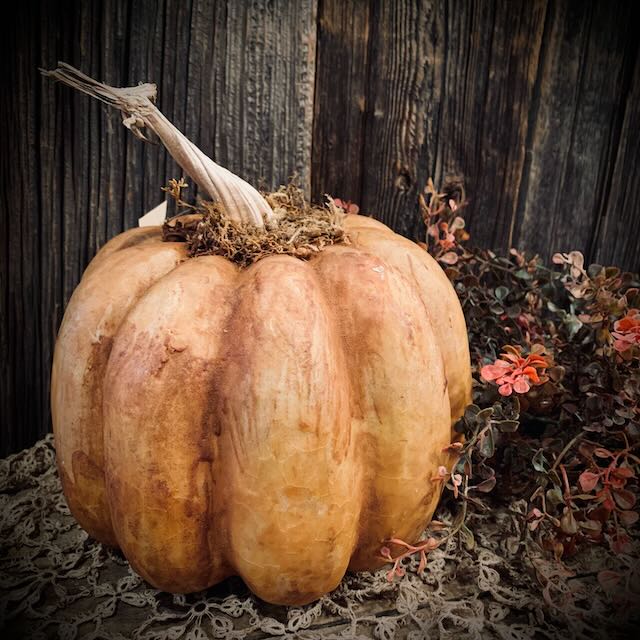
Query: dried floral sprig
[581, 392]
[441, 215]
[422, 548]
[556, 416]
[515, 372]
[627, 332]
[346, 205]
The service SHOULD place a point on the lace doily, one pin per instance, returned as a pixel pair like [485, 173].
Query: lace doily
[56, 582]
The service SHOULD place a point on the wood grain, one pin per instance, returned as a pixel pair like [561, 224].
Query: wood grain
[534, 102]
[340, 100]
[397, 112]
[21, 356]
[439, 76]
[237, 77]
[617, 239]
[490, 54]
[575, 126]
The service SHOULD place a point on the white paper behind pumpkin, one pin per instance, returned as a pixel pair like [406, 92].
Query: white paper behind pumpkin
[156, 216]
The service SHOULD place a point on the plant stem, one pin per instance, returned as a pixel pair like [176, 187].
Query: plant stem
[492, 265]
[565, 450]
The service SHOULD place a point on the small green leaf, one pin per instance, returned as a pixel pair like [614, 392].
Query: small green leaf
[554, 497]
[467, 537]
[507, 426]
[486, 485]
[539, 462]
[591, 525]
[471, 412]
[625, 498]
[594, 270]
[487, 444]
[483, 417]
[573, 324]
[463, 466]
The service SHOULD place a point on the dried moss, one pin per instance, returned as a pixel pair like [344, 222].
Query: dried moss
[299, 229]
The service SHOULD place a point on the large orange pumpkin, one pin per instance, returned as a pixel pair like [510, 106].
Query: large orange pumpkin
[278, 422]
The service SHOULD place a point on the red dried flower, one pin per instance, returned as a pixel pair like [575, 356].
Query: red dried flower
[346, 205]
[423, 548]
[515, 372]
[627, 331]
[444, 236]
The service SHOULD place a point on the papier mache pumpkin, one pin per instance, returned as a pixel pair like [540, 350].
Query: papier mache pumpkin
[278, 421]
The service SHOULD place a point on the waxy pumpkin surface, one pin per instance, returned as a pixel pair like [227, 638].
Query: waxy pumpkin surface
[278, 422]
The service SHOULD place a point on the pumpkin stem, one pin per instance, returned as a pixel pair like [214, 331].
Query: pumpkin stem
[238, 198]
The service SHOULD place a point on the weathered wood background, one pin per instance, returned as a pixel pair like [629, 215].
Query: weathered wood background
[535, 102]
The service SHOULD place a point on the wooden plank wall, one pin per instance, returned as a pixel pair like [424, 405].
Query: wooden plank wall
[531, 101]
[536, 103]
[236, 77]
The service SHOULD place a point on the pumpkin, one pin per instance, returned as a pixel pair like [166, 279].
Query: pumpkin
[278, 422]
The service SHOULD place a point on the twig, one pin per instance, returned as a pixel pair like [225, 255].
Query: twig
[565, 450]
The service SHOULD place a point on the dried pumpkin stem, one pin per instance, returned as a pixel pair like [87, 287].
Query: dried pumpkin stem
[238, 198]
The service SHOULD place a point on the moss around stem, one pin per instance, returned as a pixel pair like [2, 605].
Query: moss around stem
[297, 228]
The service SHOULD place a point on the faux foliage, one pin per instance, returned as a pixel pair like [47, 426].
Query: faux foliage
[556, 415]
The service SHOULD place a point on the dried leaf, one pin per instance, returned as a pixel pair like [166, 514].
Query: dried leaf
[588, 480]
[486, 485]
[624, 498]
[628, 518]
[568, 522]
[451, 257]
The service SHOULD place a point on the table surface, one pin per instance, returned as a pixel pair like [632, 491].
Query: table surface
[57, 582]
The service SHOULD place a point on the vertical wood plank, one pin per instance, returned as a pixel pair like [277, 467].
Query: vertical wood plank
[264, 97]
[46, 29]
[618, 240]
[340, 99]
[238, 77]
[21, 242]
[8, 83]
[575, 126]
[396, 151]
[489, 53]
[441, 75]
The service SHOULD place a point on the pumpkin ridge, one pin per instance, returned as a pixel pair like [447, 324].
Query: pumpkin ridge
[440, 303]
[178, 322]
[135, 237]
[293, 514]
[398, 379]
[91, 320]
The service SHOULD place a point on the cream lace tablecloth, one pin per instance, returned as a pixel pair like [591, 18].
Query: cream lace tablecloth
[56, 582]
